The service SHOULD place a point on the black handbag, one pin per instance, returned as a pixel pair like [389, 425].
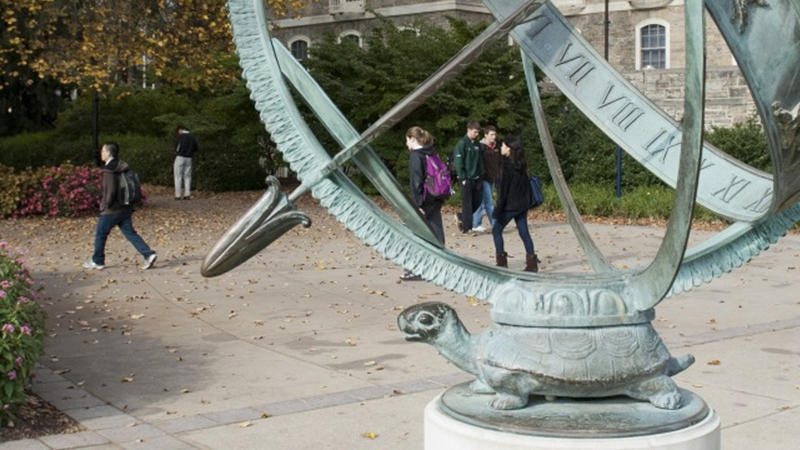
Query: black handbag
[537, 197]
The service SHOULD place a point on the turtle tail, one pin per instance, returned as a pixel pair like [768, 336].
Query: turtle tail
[679, 364]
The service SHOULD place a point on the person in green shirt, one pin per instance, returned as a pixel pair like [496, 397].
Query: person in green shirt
[468, 162]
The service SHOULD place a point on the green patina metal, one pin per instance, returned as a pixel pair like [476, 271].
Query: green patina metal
[568, 314]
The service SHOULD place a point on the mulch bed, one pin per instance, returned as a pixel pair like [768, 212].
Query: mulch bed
[38, 418]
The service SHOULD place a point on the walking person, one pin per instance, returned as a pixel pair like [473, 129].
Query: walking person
[114, 213]
[468, 162]
[513, 200]
[420, 146]
[492, 163]
[185, 148]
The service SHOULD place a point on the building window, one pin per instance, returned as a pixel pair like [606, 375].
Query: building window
[408, 30]
[652, 46]
[299, 48]
[346, 6]
[351, 36]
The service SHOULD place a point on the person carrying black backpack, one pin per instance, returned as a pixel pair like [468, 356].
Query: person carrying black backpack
[113, 212]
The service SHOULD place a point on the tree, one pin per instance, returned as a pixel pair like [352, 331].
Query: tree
[99, 44]
[103, 43]
[367, 82]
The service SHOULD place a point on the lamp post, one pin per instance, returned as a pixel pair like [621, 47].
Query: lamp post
[618, 190]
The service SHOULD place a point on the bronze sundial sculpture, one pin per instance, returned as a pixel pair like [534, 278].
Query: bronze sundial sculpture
[555, 335]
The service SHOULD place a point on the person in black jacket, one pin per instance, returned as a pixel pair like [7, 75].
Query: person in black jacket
[420, 145]
[185, 148]
[514, 198]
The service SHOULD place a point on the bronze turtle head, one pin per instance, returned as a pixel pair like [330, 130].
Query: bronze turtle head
[423, 322]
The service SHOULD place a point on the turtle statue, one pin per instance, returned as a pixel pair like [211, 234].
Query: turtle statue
[516, 362]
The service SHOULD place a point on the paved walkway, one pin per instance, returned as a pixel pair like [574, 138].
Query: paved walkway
[298, 348]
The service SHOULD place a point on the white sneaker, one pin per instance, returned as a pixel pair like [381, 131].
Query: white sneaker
[149, 261]
[93, 265]
[479, 229]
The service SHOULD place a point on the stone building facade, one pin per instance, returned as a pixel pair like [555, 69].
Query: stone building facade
[646, 42]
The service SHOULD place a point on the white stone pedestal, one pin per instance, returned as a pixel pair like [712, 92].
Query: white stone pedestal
[443, 432]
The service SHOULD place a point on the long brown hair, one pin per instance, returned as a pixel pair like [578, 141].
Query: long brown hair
[423, 137]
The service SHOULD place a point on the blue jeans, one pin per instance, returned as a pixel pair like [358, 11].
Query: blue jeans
[486, 206]
[104, 225]
[521, 219]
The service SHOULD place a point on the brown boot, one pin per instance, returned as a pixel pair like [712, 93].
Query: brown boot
[502, 259]
[531, 262]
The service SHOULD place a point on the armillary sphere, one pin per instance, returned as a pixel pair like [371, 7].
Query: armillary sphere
[762, 206]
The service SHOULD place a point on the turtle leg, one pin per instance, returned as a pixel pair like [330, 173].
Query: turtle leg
[660, 391]
[512, 389]
[504, 400]
[480, 387]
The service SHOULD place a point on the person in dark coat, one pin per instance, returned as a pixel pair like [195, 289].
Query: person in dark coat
[514, 198]
[468, 163]
[185, 148]
[113, 213]
[420, 145]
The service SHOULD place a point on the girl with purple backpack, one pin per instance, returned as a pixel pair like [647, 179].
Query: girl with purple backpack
[420, 147]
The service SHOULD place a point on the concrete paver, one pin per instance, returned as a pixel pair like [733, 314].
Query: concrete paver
[306, 333]
[181, 424]
[129, 433]
[80, 439]
[23, 444]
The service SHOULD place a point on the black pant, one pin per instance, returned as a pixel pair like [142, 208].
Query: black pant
[433, 215]
[470, 200]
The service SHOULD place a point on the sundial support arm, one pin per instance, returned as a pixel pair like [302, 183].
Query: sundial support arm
[651, 285]
[593, 254]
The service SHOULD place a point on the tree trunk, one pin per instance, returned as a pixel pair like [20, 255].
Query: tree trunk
[96, 127]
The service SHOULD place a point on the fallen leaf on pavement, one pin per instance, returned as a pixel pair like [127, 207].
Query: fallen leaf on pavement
[369, 435]
[714, 362]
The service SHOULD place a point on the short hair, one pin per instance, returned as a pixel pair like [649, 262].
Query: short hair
[473, 126]
[113, 149]
[489, 128]
[180, 127]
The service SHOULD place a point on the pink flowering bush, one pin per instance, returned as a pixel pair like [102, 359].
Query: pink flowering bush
[63, 191]
[21, 330]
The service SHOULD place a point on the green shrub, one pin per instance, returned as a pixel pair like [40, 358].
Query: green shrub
[654, 201]
[22, 332]
[647, 201]
[151, 157]
[745, 142]
[43, 149]
[123, 111]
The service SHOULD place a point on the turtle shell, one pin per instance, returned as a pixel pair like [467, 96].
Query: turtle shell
[608, 355]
